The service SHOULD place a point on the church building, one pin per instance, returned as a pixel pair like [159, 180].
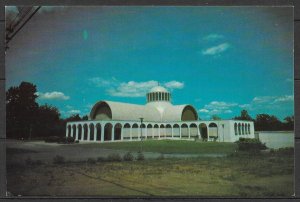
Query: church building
[158, 119]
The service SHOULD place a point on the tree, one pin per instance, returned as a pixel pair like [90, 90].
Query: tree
[289, 122]
[47, 122]
[215, 117]
[266, 122]
[244, 116]
[21, 110]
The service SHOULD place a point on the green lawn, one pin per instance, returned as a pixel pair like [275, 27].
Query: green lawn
[169, 146]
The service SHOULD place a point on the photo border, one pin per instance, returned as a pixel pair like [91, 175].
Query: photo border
[295, 3]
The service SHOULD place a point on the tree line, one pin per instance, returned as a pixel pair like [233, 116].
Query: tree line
[26, 119]
[266, 122]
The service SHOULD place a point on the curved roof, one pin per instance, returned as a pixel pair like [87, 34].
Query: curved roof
[126, 111]
[150, 112]
[174, 112]
[158, 89]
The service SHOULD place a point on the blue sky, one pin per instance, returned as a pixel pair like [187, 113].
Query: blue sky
[219, 59]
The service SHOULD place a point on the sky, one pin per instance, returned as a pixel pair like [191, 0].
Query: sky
[221, 60]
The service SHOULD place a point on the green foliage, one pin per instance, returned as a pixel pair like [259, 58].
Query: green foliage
[250, 144]
[140, 156]
[215, 117]
[161, 157]
[91, 161]
[128, 157]
[101, 159]
[31, 162]
[52, 139]
[21, 110]
[113, 157]
[266, 122]
[244, 116]
[58, 159]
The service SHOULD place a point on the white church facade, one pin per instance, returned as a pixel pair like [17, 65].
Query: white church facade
[158, 119]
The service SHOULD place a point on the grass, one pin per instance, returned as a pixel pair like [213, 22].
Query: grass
[266, 175]
[168, 146]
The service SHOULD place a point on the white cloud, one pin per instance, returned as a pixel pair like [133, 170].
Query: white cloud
[52, 96]
[174, 85]
[74, 111]
[216, 49]
[100, 82]
[228, 111]
[203, 110]
[244, 105]
[262, 99]
[132, 89]
[217, 107]
[285, 98]
[213, 37]
[116, 88]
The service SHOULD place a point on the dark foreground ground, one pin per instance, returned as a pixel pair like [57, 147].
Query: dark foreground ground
[186, 169]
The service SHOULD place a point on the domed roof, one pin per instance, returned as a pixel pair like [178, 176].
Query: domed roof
[158, 89]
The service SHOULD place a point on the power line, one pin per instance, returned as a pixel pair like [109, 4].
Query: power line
[9, 38]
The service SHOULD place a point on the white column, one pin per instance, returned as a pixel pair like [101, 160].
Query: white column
[152, 133]
[207, 134]
[189, 132]
[122, 133]
[158, 132]
[82, 133]
[198, 132]
[71, 134]
[146, 132]
[95, 133]
[130, 131]
[102, 133]
[172, 132]
[113, 133]
[89, 135]
[180, 132]
[67, 130]
[77, 132]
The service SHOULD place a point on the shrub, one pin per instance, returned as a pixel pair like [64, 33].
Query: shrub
[52, 139]
[66, 140]
[101, 159]
[29, 161]
[58, 159]
[250, 144]
[114, 157]
[128, 157]
[91, 161]
[161, 157]
[140, 156]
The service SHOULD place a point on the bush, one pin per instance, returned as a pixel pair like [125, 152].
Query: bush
[66, 140]
[101, 159]
[114, 157]
[29, 161]
[128, 157]
[52, 139]
[250, 144]
[161, 157]
[140, 156]
[58, 159]
[91, 161]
